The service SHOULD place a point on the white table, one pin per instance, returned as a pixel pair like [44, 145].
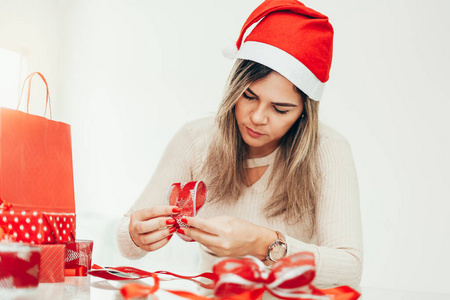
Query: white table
[86, 288]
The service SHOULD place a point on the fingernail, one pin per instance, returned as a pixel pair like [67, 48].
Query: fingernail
[184, 220]
[176, 209]
[169, 237]
[180, 231]
[170, 221]
[172, 230]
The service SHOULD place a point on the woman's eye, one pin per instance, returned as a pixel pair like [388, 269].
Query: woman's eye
[246, 96]
[280, 111]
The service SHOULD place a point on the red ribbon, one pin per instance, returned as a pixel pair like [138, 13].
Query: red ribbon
[289, 278]
[134, 290]
[130, 273]
[246, 279]
[189, 197]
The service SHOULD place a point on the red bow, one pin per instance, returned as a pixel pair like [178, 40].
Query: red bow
[289, 278]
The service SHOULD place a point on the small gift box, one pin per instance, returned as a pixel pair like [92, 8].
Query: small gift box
[52, 263]
[78, 257]
[19, 265]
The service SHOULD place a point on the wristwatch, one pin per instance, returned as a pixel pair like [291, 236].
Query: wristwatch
[278, 249]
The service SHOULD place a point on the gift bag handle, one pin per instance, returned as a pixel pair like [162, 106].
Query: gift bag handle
[47, 99]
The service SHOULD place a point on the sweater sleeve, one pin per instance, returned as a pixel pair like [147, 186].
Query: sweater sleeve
[338, 251]
[174, 166]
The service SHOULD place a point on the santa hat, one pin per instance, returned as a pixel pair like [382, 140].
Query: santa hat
[292, 39]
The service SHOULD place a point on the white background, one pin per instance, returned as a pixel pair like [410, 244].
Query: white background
[127, 74]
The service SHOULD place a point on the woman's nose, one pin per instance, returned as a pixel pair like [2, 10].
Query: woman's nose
[259, 116]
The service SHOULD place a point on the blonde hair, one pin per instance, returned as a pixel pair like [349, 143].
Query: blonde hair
[296, 175]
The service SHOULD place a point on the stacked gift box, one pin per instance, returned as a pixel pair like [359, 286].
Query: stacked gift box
[37, 203]
[42, 226]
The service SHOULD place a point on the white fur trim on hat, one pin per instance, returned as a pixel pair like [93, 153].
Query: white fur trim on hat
[285, 64]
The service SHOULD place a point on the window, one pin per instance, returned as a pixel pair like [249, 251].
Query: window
[11, 65]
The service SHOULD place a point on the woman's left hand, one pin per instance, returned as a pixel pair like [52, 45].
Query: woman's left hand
[230, 236]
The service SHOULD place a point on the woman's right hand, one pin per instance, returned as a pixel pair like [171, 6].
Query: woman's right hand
[151, 228]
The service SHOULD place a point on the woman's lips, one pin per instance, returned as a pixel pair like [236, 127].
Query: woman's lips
[252, 133]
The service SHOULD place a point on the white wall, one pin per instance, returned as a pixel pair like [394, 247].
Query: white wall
[127, 74]
[389, 95]
[35, 31]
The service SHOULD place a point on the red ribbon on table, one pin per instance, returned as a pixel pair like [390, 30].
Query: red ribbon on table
[246, 278]
[130, 273]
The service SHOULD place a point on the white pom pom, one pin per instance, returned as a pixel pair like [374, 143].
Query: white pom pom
[229, 50]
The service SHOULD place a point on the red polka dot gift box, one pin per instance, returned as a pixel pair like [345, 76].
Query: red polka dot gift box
[37, 201]
[38, 227]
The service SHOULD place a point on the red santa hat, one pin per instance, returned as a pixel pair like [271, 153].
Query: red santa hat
[292, 39]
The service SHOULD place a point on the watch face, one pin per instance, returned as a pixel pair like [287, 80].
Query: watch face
[278, 251]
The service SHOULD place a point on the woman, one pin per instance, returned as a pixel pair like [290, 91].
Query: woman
[279, 182]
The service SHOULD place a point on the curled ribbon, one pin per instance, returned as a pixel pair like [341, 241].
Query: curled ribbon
[130, 273]
[248, 279]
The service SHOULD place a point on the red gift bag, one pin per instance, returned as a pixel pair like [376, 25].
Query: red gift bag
[37, 201]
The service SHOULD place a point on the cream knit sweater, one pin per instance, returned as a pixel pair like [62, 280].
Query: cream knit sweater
[337, 245]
